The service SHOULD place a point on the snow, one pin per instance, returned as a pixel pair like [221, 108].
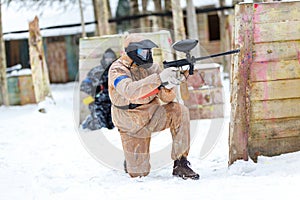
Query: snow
[42, 156]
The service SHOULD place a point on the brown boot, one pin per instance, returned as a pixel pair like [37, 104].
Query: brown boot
[182, 169]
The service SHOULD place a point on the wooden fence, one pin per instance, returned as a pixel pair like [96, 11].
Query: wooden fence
[265, 81]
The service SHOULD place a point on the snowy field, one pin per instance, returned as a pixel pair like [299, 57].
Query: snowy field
[42, 157]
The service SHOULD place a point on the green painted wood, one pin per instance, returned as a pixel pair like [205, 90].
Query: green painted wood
[72, 56]
[13, 90]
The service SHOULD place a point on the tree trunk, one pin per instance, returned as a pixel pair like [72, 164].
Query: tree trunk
[3, 82]
[134, 10]
[82, 19]
[101, 16]
[40, 75]
[192, 26]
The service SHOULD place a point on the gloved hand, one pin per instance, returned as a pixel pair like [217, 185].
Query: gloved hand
[171, 77]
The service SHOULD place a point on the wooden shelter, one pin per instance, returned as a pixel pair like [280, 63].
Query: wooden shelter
[265, 84]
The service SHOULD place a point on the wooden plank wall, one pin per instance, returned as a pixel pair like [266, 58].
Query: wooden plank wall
[275, 80]
[57, 59]
[273, 77]
[206, 96]
[91, 51]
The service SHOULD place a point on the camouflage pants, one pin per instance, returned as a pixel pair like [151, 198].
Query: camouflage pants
[136, 145]
[100, 116]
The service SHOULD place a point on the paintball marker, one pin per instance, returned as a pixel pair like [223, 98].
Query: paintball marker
[186, 46]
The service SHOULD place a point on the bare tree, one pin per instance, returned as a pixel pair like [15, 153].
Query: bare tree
[3, 83]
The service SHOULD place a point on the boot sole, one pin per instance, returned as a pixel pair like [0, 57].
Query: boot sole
[196, 177]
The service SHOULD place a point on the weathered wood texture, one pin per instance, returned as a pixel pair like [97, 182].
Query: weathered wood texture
[40, 75]
[206, 95]
[239, 124]
[92, 49]
[57, 60]
[3, 82]
[274, 79]
[26, 89]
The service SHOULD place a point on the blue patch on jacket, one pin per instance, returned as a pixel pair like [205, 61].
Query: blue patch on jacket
[118, 79]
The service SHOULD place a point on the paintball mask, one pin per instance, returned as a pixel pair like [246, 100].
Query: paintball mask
[140, 52]
[108, 57]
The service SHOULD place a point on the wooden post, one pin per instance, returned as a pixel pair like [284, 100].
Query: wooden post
[240, 114]
[134, 9]
[40, 76]
[192, 26]
[83, 34]
[158, 8]
[3, 82]
[101, 14]
[178, 20]
[168, 21]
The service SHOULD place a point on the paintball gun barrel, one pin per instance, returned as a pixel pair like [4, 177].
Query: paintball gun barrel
[186, 46]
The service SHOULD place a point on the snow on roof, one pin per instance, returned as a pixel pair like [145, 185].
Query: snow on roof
[16, 16]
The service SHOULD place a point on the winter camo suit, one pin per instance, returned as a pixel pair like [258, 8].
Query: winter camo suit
[129, 83]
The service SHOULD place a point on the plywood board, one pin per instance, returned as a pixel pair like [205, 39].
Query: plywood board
[26, 90]
[207, 111]
[57, 60]
[207, 76]
[205, 97]
[276, 31]
[276, 12]
[280, 89]
[284, 108]
[269, 71]
[274, 128]
[276, 51]
[273, 147]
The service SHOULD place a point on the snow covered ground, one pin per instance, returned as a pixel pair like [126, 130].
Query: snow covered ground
[42, 157]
